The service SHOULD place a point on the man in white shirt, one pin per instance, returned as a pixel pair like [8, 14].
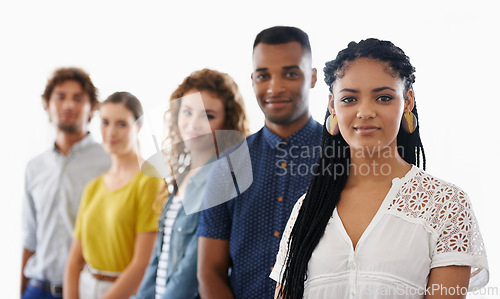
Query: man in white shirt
[55, 180]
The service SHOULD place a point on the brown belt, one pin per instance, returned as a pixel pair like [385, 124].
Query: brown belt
[102, 277]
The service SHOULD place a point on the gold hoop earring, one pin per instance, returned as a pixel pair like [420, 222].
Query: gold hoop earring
[332, 125]
[409, 122]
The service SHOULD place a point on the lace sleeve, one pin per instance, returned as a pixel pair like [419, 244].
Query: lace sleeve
[281, 257]
[459, 239]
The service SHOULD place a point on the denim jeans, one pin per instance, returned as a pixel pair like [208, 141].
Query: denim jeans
[35, 293]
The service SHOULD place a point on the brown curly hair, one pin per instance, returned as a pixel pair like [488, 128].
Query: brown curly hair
[63, 74]
[224, 87]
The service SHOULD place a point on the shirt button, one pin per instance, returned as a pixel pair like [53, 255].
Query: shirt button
[283, 164]
[282, 144]
[179, 229]
[276, 233]
[280, 198]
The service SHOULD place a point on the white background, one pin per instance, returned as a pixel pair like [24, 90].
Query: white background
[148, 47]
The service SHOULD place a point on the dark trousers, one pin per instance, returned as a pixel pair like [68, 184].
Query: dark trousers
[35, 293]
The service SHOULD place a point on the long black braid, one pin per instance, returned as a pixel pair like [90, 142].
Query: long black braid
[326, 186]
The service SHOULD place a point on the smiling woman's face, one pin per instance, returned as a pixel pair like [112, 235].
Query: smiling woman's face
[117, 123]
[200, 113]
[369, 101]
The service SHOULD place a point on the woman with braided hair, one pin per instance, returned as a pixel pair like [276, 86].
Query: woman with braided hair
[373, 224]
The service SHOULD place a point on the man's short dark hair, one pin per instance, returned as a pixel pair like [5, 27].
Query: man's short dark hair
[282, 35]
[61, 75]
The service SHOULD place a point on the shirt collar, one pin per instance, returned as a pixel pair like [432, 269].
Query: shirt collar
[87, 141]
[306, 132]
[202, 175]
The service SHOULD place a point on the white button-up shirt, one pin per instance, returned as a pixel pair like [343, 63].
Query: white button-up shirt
[53, 188]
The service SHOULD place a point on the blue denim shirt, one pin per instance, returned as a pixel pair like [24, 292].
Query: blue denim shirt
[182, 258]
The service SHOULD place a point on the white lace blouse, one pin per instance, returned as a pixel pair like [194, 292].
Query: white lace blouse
[422, 223]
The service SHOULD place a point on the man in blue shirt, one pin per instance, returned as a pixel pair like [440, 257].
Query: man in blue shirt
[240, 238]
[55, 180]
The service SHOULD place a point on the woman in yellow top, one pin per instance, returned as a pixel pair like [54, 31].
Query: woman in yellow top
[116, 225]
